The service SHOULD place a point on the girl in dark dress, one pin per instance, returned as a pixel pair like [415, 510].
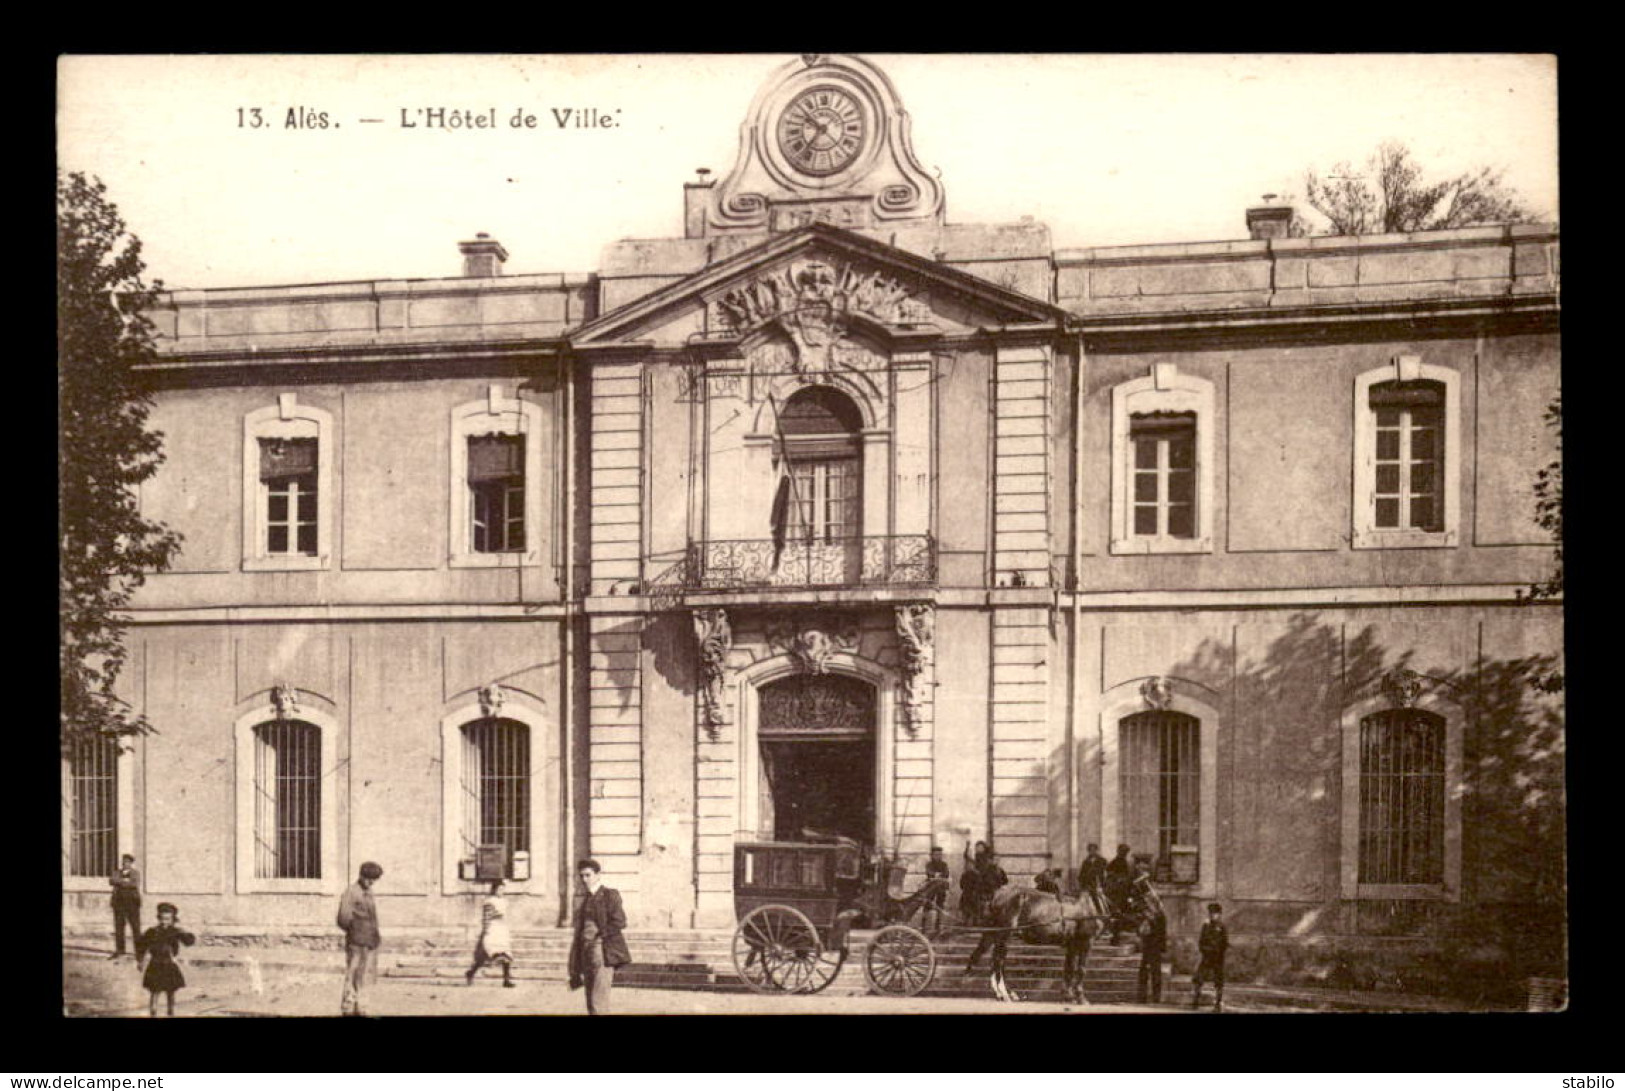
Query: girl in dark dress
[157, 949]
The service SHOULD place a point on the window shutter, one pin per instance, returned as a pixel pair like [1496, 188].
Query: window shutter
[286, 458]
[494, 457]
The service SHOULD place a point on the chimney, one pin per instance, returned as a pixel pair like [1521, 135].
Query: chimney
[1269, 220]
[482, 256]
[696, 199]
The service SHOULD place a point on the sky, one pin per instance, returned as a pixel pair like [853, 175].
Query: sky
[1107, 150]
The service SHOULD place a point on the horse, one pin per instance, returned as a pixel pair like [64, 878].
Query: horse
[1044, 919]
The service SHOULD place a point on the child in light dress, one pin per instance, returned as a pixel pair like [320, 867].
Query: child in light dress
[496, 943]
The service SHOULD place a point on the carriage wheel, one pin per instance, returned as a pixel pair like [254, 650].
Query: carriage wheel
[776, 949]
[811, 971]
[900, 961]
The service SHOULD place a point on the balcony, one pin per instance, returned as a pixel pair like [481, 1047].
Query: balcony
[898, 560]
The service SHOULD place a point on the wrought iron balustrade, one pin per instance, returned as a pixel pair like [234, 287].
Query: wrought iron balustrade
[894, 560]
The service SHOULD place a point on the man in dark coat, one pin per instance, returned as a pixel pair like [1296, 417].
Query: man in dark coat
[599, 945]
[936, 902]
[126, 884]
[358, 917]
[1213, 943]
[1119, 876]
[1153, 942]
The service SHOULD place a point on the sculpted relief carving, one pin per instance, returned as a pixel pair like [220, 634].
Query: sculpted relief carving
[715, 637]
[812, 641]
[916, 630]
[812, 302]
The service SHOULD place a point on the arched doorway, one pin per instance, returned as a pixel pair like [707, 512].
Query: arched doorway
[816, 736]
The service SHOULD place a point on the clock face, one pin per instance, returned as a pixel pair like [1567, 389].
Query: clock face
[822, 130]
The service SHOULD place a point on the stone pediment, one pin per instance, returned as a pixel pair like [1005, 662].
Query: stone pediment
[814, 287]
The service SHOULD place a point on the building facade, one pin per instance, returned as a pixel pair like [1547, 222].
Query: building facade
[832, 515]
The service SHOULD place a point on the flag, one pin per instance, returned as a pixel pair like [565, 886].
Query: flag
[784, 492]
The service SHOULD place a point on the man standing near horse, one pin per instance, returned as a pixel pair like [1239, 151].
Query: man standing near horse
[1119, 876]
[1090, 875]
[1153, 942]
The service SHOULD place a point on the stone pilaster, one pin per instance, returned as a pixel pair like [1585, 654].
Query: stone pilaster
[1019, 735]
[615, 742]
[1021, 471]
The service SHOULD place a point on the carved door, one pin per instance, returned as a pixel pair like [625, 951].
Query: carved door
[817, 754]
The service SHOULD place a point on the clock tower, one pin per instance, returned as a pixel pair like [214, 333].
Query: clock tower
[826, 141]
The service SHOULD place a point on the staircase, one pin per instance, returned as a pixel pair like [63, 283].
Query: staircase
[702, 959]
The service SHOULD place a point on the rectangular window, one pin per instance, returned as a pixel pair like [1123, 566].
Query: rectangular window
[496, 482]
[827, 493]
[1409, 455]
[1402, 797]
[93, 786]
[288, 483]
[288, 800]
[496, 786]
[1160, 784]
[1163, 448]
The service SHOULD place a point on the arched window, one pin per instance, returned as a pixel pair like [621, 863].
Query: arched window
[823, 457]
[287, 800]
[93, 848]
[495, 787]
[1160, 790]
[1402, 797]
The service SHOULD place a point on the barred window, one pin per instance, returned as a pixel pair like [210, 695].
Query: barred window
[1402, 753]
[496, 786]
[93, 784]
[1409, 457]
[1160, 785]
[287, 800]
[496, 482]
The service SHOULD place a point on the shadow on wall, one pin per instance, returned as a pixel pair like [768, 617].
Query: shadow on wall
[1283, 776]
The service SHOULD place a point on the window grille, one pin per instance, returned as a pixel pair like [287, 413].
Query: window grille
[288, 476]
[1402, 797]
[496, 786]
[1163, 446]
[93, 783]
[496, 481]
[1409, 458]
[287, 800]
[1160, 785]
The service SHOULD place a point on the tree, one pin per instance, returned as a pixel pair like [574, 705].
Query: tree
[105, 452]
[1549, 514]
[1390, 195]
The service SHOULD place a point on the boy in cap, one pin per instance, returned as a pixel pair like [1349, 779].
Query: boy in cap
[1213, 943]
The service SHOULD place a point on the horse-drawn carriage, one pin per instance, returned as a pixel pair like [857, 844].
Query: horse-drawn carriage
[797, 905]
